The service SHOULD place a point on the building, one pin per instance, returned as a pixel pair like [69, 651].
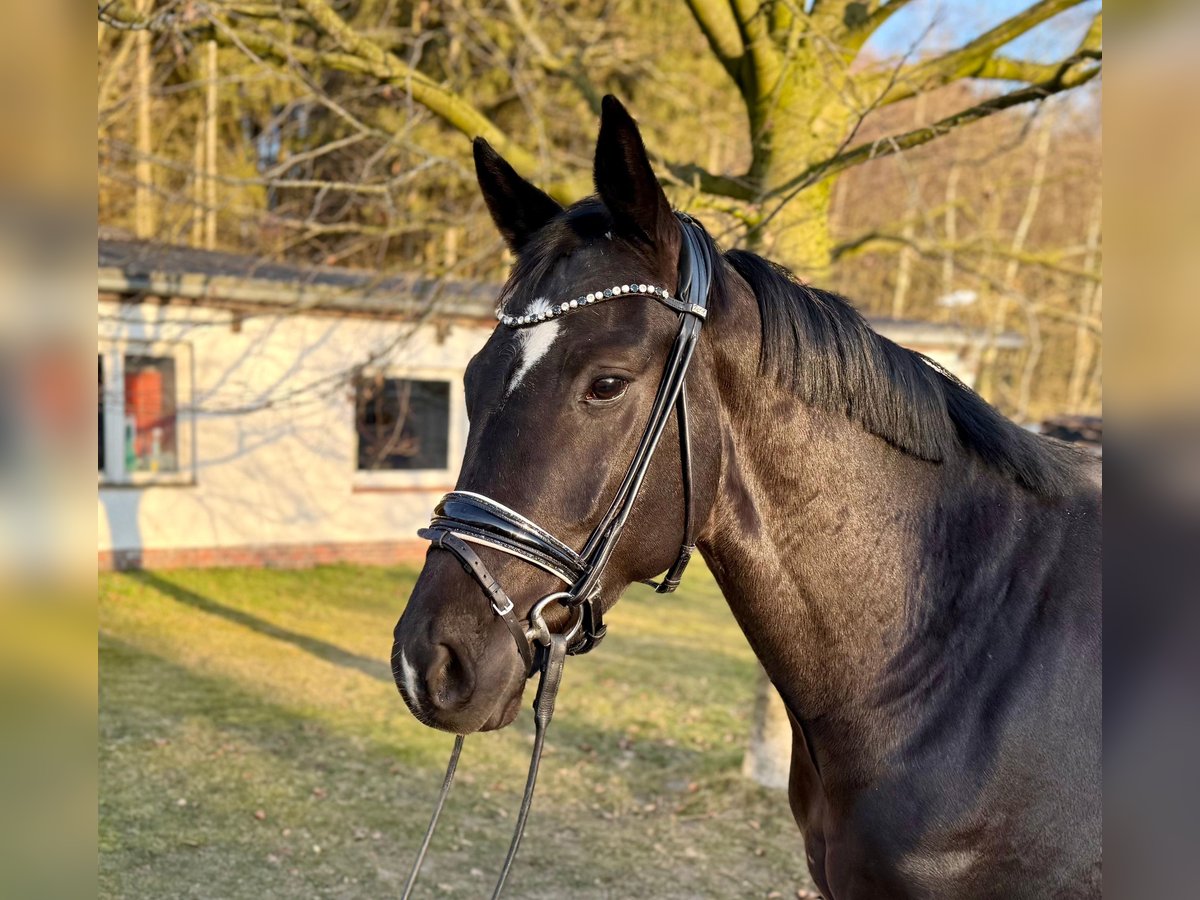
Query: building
[1086, 431]
[254, 413]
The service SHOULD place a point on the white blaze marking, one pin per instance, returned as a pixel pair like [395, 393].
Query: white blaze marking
[409, 675]
[535, 341]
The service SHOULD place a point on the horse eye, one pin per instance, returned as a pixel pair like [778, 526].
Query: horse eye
[610, 387]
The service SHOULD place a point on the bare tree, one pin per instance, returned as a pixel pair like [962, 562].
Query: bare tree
[797, 69]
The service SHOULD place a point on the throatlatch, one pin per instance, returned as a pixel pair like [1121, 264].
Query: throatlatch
[463, 518]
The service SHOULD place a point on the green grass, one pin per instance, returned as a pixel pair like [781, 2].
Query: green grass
[252, 744]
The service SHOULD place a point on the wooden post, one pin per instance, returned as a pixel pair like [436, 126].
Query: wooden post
[210, 148]
[768, 758]
[144, 223]
[198, 183]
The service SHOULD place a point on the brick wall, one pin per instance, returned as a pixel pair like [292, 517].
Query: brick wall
[272, 556]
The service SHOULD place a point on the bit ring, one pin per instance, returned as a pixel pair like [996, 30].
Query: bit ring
[538, 629]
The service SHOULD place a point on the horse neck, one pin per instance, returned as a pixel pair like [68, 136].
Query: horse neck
[811, 540]
[820, 538]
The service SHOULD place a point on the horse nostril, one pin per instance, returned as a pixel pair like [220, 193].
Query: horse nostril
[451, 678]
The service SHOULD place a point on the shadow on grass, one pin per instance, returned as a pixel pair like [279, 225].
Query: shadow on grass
[173, 693]
[331, 653]
[150, 707]
[152, 853]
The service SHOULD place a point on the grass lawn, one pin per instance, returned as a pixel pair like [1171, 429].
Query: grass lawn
[252, 744]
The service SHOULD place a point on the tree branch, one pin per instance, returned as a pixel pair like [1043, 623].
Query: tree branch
[937, 249]
[854, 22]
[573, 70]
[361, 56]
[1005, 68]
[438, 99]
[457, 113]
[874, 20]
[1071, 73]
[709, 183]
[968, 61]
[756, 36]
[720, 28]
[115, 14]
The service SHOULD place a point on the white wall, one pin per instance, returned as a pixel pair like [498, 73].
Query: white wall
[283, 471]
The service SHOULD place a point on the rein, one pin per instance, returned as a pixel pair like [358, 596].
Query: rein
[462, 518]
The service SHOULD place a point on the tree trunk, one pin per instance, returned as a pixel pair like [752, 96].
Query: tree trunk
[904, 266]
[799, 235]
[908, 255]
[951, 229]
[210, 145]
[797, 125]
[144, 212]
[1082, 358]
[989, 384]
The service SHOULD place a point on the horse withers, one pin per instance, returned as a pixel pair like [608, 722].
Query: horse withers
[919, 577]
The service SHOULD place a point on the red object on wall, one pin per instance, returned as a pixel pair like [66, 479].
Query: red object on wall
[144, 402]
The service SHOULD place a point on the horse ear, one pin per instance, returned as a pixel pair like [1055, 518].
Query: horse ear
[518, 208]
[625, 181]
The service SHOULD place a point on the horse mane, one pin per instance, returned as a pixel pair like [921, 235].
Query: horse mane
[818, 345]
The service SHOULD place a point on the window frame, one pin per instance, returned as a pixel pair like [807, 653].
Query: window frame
[456, 439]
[113, 354]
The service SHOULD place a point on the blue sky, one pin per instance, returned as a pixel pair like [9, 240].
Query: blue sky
[956, 21]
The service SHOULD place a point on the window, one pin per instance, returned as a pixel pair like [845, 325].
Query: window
[402, 424]
[143, 433]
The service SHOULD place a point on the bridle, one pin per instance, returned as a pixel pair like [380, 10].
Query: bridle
[463, 518]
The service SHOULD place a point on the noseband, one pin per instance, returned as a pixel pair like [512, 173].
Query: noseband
[463, 518]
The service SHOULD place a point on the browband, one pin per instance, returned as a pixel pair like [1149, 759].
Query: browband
[662, 295]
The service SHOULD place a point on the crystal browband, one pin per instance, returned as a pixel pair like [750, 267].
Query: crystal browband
[662, 295]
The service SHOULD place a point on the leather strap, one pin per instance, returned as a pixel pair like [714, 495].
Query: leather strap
[486, 539]
[696, 267]
[451, 767]
[501, 603]
[675, 574]
[489, 517]
[543, 710]
[552, 660]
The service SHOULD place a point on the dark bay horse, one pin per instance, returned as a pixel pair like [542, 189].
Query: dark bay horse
[919, 577]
